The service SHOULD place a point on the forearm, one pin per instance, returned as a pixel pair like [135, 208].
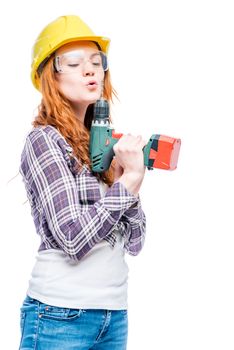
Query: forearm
[77, 236]
[132, 182]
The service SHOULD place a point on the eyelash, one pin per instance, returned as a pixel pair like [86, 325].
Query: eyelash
[75, 65]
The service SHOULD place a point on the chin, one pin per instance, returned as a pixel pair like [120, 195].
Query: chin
[86, 100]
[93, 99]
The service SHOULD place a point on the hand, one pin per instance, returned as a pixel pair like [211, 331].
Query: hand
[118, 170]
[129, 154]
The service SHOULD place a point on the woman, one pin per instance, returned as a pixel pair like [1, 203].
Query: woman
[77, 294]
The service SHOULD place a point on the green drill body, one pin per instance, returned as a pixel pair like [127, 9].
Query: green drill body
[103, 139]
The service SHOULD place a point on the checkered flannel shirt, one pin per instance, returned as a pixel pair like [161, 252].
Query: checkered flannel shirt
[68, 210]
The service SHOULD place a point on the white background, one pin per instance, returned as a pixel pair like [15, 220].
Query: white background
[172, 65]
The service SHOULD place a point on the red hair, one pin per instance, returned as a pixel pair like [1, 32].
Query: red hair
[55, 110]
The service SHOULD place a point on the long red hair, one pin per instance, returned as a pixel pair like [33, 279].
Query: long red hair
[55, 110]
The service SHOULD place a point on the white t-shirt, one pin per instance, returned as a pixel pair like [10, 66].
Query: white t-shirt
[98, 281]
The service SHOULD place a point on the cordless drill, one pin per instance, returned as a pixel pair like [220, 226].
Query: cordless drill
[160, 152]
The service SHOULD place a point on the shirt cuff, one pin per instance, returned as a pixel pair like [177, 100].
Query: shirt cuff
[135, 213]
[117, 198]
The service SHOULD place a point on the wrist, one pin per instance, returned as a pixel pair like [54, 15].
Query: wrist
[132, 182]
[134, 175]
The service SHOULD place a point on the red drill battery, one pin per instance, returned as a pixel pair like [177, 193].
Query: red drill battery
[161, 151]
[164, 152]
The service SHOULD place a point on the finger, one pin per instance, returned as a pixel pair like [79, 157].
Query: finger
[140, 140]
[142, 143]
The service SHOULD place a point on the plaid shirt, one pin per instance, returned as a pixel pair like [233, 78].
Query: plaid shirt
[66, 205]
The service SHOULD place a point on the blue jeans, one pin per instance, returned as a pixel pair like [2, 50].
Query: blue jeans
[46, 327]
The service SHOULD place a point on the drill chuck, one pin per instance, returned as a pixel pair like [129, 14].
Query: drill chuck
[101, 110]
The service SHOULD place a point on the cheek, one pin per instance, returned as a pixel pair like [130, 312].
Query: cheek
[69, 87]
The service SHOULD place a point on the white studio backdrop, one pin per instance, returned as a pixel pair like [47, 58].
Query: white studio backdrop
[172, 65]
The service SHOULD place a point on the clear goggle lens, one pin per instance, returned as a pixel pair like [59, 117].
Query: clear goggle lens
[72, 61]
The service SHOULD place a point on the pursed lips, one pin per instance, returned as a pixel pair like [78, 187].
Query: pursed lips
[92, 82]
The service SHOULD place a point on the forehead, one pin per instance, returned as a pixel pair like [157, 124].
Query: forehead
[88, 46]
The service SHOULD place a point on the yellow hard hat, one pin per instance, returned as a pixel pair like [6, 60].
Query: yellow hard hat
[63, 30]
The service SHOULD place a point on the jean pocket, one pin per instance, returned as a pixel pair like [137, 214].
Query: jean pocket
[59, 313]
[29, 305]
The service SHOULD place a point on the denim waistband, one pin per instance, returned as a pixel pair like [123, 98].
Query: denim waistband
[31, 300]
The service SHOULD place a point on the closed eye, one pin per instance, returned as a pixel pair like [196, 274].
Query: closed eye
[73, 65]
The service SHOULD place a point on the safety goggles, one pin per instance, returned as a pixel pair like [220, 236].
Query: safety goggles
[73, 61]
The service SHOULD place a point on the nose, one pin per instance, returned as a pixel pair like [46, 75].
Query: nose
[88, 68]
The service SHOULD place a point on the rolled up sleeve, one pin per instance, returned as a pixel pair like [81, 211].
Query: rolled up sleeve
[134, 220]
